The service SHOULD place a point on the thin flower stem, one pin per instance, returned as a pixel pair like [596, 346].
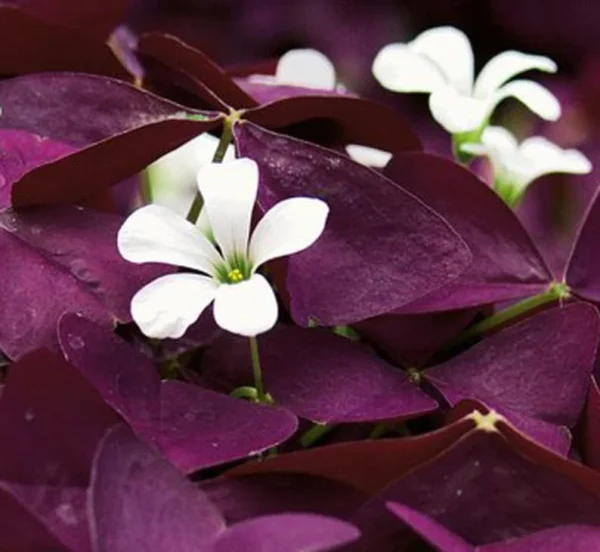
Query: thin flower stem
[218, 157]
[312, 435]
[556, 292]
[261, 396]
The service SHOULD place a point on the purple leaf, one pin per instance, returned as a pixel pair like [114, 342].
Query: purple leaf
[51, 421]
[582, 272]
[71, 251]
[194, 427]
[434, 533]
[535, 371]
[412, 339]
[567, 538]
[345, 119]
[254, 495]
[485, 489]
[22, 152]
[102, 118]
[318, 376]
[365, 465]
[591, 427]
[265, 93]
[138, 501]
[99, 19]
[506, 265]
[287, 533]
[32, 45]
[379, 251]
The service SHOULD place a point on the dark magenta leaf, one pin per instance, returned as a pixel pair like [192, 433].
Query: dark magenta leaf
[506, 265]
[535, 371]
[22, 152]
[32, 45]
[365, 465]
[22, 532]
[91, 17]
[172, 52]
[343, 120]
[591, 427]
[582, 272]
[434, 533]
[412, 339]
[486, 488]
[566, 538]
[286, 533]
[381, 248]
[102, 118]
[51, 420]
[254, 495]
[71, 251]
[194, 427]
[265, 93]
[354, 120]
[317, 375]
[139, 501]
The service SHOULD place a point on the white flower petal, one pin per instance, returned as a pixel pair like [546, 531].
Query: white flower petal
[499, 139]
[155, 234]
[306, 67]
[229, 193]
[550, 158]
[371, 157]
[167, 306]
[173, 176]
[203, 224]
[397, 68]
[450, 49]
[536, 97]
[456, 112]
[474, 149]
[247, 308]
[505, 66]
[288, 227]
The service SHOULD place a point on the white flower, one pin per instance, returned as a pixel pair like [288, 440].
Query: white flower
[310, 68]
[302, 67]
[516, 165]
[172, 178]
[440, 62]
[244, 302]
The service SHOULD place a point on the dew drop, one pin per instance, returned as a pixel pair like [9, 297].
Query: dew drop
[459, 492]
[29, 415]
[75, 342]
[189, 416]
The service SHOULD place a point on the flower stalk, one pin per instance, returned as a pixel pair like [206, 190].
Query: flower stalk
[557, 291]
[261, 396]
[218, 157]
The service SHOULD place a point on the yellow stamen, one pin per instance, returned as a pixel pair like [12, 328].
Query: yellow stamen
[235, 276]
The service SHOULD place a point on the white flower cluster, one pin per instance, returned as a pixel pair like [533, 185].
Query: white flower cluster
[440, 62]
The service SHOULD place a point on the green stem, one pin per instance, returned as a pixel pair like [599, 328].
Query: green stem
[257, 372]
[146, 186]
[218, 157]
[311, 436]
[556, 291]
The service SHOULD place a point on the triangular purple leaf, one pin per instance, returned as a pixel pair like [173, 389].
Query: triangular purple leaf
[138, 501]
[195, 428]
[71, 251]
[102, 118]
[381, 248]
[506, 265]
[287, 533]
[318, 376]
[566, 538]
[535, 371]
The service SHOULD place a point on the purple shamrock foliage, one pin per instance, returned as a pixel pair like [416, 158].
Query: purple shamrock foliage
[194, 427]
